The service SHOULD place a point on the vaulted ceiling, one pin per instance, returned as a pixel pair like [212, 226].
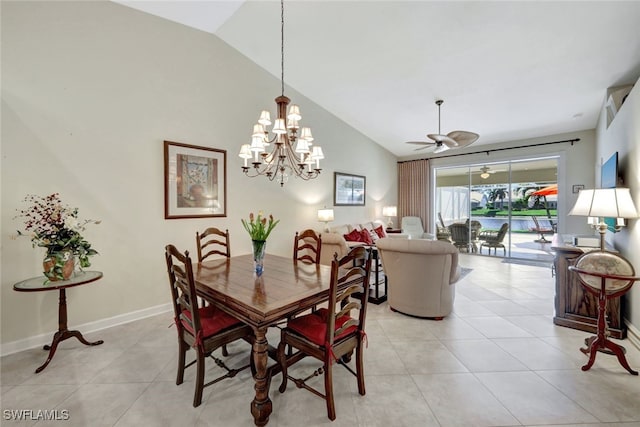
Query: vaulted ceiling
[506, 70]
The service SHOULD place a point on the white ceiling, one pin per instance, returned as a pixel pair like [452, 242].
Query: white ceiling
[506, 70]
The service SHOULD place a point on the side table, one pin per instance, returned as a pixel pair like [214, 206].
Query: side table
[393, 230]
[41, 283]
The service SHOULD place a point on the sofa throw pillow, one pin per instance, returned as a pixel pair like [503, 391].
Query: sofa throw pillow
[380, 231]
[353, 236]
[365, 237]
[374, 236]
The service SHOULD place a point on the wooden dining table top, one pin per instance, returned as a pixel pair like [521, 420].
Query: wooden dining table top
[284, 288]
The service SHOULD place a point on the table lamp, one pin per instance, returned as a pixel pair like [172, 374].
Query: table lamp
[390, 211]
[325, 215]
[601, 203]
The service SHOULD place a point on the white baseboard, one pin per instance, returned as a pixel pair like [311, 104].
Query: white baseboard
[98, 325]
[633, 335]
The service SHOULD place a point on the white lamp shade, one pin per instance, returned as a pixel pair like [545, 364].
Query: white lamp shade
[245, 151]
[605, 202]
[305, 134]
[292, 124]
[389, 211]
[278, 127]
[258, 131]
[265, 118]
[294, 113]
[317, 153]
[257, 144]
[302, 146]
[325, 215]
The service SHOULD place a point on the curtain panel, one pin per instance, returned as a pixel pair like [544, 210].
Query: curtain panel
[413, 191]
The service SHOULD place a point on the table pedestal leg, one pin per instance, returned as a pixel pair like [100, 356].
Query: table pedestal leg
[600, 342]
[63, 333]
[261, 406]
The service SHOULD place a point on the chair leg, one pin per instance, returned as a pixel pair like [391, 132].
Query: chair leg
[182, 352]
[282, 360]
[197, 398]
[225, 352]
[328, 389]
[360, 369]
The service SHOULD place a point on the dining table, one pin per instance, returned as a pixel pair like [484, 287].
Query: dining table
[284, 288]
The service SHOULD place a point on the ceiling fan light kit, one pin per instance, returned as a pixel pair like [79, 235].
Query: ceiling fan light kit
[454, 139]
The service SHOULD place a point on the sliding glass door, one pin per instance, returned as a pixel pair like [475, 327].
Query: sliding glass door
[474, 202]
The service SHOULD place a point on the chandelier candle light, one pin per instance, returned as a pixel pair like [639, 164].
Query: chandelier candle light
[292, 153]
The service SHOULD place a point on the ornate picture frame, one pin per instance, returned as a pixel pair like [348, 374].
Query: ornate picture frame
[349, 190]
[195, 181]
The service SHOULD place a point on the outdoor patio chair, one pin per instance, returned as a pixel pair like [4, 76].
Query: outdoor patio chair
[493, 239]
[542, 230]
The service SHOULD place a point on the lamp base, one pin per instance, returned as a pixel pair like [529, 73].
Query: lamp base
[390, 224]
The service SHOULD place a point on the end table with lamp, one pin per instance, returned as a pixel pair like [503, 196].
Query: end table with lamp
[41, 283]
[603, 273]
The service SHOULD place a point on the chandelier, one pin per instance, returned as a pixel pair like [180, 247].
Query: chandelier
[289, 151]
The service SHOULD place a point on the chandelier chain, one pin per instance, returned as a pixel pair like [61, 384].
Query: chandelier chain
[282, 47]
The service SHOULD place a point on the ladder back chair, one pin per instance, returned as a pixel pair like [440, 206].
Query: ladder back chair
[204, 329]
[307, 246]
[214, 241]
[332, 334]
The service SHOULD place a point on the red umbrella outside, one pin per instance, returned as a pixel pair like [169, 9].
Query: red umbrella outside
[546, 191]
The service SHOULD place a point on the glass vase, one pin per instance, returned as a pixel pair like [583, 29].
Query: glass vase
[59, 265]
[259, 247]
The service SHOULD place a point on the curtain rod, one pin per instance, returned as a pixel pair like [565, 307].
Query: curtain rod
[572, 141]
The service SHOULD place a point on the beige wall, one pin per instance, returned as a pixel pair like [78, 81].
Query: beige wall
[89, 92]
[623, 136]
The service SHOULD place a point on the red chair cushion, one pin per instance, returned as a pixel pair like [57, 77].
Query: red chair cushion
[353, 236]
[212, 320]
[314, 326]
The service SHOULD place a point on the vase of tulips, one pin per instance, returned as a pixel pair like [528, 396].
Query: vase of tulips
[259, 229]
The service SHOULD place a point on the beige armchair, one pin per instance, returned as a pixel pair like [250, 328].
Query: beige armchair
[421, 275]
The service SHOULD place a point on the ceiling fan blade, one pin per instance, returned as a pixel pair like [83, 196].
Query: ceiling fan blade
[420, 142]
[443, 139]
[425, 147]
[463, 138]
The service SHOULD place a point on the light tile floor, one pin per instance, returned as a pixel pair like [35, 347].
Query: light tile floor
[497, 361]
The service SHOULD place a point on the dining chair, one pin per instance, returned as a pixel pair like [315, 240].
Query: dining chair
[204, 329]
[307, 246]
[332, 334]
[213, 240]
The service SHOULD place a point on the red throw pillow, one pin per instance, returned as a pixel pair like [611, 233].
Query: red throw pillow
[353, 236]
[366, 237]
[380, 231]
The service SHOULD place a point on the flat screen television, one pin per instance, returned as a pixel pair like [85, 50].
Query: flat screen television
[609, 179]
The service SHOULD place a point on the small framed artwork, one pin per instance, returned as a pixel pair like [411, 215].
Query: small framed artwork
[577, 187]
[349, 190]
[195, 181]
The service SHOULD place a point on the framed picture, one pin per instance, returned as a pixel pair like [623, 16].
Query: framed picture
[576, 188]
[195, 181]
[349, 190]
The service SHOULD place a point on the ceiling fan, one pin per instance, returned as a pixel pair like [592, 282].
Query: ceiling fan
[485, 171]
[455, 139]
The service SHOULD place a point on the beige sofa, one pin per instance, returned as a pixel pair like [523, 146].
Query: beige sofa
[422, 275]
[334, 241]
